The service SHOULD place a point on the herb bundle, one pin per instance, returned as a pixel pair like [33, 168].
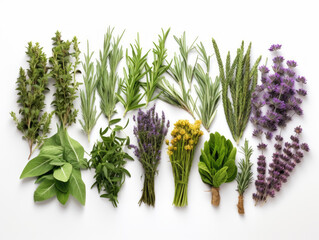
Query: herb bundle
[217, 164]
[240, 79]
[245, 176]
[150, 133]
[207, 91]
[108, 80]
[181, 154]
[32, 85]
[274, 103]
[178, 70]
[132, 78]
[154, 73]
[65, 60]
[89, 113]
[57, 168]
[108, 159]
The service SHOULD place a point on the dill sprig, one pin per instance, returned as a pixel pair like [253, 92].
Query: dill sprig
[89, 112]
[207, 91]
[245, 175]
[32, 85]
[65, 60]
[131, 83]
[240, 79]
[158, 68]
[178, 71]
[109, 81]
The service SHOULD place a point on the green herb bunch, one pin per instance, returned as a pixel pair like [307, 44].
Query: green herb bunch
[31, 87]
[245, 175]
[108, 159]
[89, 112]
[57, 168]
[132, 78]
[178, 70]
[240, 79]
[207, 91]
[155, 72]
[64, 61]
[108, 80]
[217, 164]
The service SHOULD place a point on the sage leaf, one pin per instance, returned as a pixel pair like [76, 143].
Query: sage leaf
[37, 166]
[77, 186]
[62, 196]
[63, 173]
[220, 177]
[52, 150]
[62, 186]
[45, 190]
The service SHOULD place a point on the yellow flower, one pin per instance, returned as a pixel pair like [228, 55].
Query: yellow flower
[175, 148]
[169, 153]
[179, 137]
[198, 122]
[191, 141]
[167, 141]
[170, 148]
[182, 131]
[186, 137]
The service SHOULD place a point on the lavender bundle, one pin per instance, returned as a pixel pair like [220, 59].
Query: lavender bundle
[150, 133]
[274, 102]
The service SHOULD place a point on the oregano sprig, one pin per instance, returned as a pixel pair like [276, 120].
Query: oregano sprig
[32, 85]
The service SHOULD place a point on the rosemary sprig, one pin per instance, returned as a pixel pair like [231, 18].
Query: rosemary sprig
[64, 63]
[207, 91]
[132, 78]
[178, 71]
[108, 80]
[158, 68]
[32, 85]
[240, 79]
[89, 113]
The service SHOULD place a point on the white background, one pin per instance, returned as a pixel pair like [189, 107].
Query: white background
[293, 214]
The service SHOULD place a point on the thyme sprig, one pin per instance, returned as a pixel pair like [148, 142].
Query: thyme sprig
[109, 81]
[31, 87]
[240, 79]
[89, 112]
[132, 78]
[65, 60]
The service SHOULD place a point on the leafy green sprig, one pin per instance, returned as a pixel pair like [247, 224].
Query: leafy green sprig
[31, 87]
[178, 70]
[132, 78]
[89, 112]
[109, 82]
[207, 91]
[65, 60]
[240, 79]
[245, 175]
[155, 72]
[108, 159]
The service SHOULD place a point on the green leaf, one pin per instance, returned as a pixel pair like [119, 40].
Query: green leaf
[37, 166]
[52, 150]
[63, 173]
[77, 186]
[45, 190]
[114, 121]
[220, 177]
[57, 162]
[62, 196]
[62, 186]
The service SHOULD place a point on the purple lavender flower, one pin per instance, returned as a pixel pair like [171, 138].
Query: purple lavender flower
[305, 147]
[301, 79]
[278, 138]
[278, 59]
[274, 47]
[263, 69]
[262, 146]
[291, 63]
[302, 92]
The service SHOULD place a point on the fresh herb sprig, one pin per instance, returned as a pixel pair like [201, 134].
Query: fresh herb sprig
[207, 91]
[108, 159]
[89, 112]
[65, 60]
[178, 70]
[240, 79]
[109, 82]
[32, 85]
[132, 78]
[158, 68]
[245, 175]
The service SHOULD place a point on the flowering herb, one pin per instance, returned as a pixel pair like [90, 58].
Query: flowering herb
[217, 164]
[275, 101]
[108, 79]
[89, 113]
[181, 154]
[240, 80]
[155, 73]
[245, 176]
[207, 91]
[150, 133]
[57, 168]
[178, 71]
[64, 63]
[132, 78]
[108, 159]
[32, 85]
